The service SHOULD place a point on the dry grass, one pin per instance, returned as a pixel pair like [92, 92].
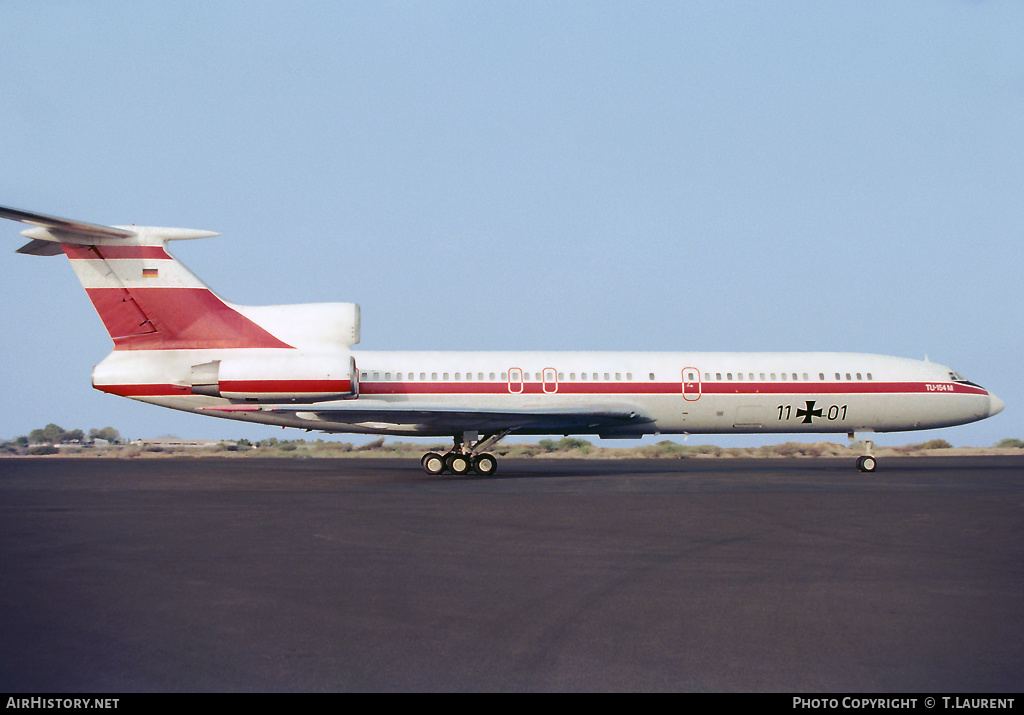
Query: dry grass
[566, 448]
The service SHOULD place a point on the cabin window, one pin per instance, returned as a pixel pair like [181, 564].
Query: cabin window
[728, 375]
[607, 376]
[707, 377]
[859, 377]
[362, 376]
[739, 376]
[821, 376]
[618, 376]
[629, 376]
[561, 376]
[492, 377]
[762, 377]
[848, 376]
[376, 376]
[869, 376]
[805, 376]
[795, 376]
[504, 376]
[689, 376]
[651, 376]
[583, 376]
[783, 375]
[773, 376]
[718, 376]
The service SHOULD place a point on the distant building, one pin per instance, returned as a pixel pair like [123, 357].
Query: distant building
[175, 442]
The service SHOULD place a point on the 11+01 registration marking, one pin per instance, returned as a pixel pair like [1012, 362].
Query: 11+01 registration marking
[808, 412]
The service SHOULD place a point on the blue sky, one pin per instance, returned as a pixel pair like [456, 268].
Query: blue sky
[530, 175]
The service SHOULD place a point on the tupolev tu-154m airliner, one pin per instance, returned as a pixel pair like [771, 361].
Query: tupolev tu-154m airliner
[178, 344]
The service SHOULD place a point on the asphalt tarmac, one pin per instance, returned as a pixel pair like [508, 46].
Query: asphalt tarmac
[189, 575]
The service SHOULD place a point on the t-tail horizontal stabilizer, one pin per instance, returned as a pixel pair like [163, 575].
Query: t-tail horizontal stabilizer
[50, 232]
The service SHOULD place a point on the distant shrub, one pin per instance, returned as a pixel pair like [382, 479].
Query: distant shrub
[1010, 443]
[935, 444]
[668, 448]
[922, 446]
[370, 446]
[518, 450]
[788, 449]
[337, 446]
[568, 443]
[711, 449]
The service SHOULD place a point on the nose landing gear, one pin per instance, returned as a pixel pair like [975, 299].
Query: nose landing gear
[866, 462]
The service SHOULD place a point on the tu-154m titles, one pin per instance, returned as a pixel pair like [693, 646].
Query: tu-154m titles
[178, 344]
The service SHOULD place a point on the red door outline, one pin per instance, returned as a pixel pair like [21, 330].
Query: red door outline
[550, 377]
[515, 380]
[691, 384]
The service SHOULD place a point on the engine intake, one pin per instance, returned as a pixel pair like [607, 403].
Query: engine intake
[292, 378]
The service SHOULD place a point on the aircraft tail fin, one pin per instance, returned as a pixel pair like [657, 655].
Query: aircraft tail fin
[146, 298]
[149, 300]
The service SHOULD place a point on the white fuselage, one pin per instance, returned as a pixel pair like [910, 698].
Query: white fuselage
[674, 393]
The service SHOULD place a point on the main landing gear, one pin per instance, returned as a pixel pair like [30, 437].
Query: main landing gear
[866, 462]
[466, 456]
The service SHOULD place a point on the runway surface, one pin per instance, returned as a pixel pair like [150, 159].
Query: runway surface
[339, 575]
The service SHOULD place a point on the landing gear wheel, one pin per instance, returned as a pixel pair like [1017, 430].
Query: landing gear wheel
[866, 463]
[457, 464]
[433, 463]
[485, 464]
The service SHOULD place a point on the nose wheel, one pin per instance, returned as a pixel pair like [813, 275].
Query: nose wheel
[867, 462]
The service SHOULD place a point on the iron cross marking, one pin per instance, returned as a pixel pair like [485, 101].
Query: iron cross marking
[808, 413]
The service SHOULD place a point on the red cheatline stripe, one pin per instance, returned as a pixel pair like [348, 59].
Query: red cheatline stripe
[286, 386]
[261, 387]
[501, 388]
[76, 253]
[146, 390]
[664, 388]
[233, 408]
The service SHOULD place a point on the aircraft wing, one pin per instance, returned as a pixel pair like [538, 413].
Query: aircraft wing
[435, 420]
